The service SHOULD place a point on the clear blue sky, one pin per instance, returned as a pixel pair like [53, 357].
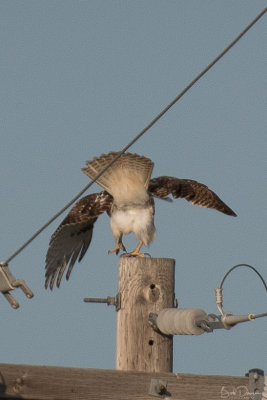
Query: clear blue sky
[81, 78]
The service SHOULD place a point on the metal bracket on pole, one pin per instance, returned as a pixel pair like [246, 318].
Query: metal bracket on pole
[158, 388]
[256, 383]
[9, 282]
[110, 301]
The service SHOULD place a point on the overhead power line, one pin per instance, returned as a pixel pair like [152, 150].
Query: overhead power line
[143, 131]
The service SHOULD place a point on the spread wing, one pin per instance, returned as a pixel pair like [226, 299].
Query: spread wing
[193, 191]
[73, 236]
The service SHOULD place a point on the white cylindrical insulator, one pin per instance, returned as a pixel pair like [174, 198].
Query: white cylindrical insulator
[180, 321]
[264, 393]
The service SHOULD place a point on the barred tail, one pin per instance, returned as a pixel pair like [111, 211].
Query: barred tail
[131, 167]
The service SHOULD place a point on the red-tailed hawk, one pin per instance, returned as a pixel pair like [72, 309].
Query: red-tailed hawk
[128, 200]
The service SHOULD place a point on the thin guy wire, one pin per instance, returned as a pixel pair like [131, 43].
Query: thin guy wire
[147, 127]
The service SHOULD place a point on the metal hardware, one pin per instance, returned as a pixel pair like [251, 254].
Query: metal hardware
[175, 303]
[158, 388]
[152, 319]
[255, 383]
[264, 393]
[110, 301]
[207, 322]
[219, 299]
[218, 290]
[226, 321]
[9, 282]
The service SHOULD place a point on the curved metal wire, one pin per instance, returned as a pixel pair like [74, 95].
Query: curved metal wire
[218, 291]
[243, 265]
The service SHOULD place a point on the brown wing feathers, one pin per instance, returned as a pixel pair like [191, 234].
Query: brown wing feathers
[73, 236]
[193, 191]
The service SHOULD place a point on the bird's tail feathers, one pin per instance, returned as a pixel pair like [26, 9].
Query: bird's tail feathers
[129, 169]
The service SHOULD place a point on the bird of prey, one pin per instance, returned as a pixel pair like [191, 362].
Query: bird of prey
[128, 200]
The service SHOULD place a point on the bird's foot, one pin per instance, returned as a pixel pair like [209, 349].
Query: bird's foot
[120, 246]
[136, 254]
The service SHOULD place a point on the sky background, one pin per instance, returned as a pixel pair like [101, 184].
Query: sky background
[82, 78]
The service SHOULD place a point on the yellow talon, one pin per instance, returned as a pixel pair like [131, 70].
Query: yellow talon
[118, 247]
[136, 252]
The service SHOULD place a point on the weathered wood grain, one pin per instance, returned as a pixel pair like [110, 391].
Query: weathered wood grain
[146, 285]
[56, 383]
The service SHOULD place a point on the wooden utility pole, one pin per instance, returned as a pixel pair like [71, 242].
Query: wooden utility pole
[143, 357]
[146, 285]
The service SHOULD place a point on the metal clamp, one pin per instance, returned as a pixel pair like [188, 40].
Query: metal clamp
[9, 282]
[225, 321]
[158, 388]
